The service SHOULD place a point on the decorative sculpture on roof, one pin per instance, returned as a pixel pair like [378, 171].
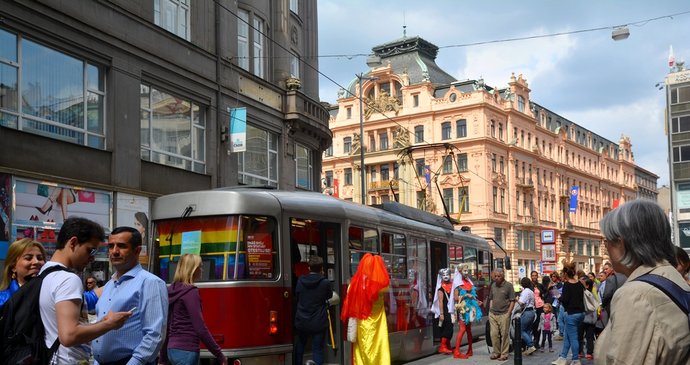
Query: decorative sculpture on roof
[381, 104]
[341, 93]
[425, 76]
[402, 138]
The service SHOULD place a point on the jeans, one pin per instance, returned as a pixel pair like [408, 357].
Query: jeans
[526, 321]
[571, 340]
[561, 321]
[317, 340]
[544, 336]
[182, 357]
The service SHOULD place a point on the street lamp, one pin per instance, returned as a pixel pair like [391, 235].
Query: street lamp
[361, 77]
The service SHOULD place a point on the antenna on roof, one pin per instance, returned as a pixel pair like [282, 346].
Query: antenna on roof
[404, 26]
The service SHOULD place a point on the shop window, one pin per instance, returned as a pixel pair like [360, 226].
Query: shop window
[258, 165]
[173, 16]
[173, 130]
[62, 97]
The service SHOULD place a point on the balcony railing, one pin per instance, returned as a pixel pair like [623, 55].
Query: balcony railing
[383, 185]
[525, 182]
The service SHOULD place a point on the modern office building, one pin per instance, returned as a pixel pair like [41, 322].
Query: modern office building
[495, 160]
[678, 128]
[105, 105]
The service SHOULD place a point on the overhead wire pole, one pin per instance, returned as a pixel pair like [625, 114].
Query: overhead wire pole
[362, 169]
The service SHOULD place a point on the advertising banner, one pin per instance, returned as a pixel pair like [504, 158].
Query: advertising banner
[260, 255]
[133, 211]
[574, 192]
[548, 253]
[238, 129]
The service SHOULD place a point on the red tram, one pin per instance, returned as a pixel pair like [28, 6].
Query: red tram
[254, 243]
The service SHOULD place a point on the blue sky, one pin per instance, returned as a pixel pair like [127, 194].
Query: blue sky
[603, 85]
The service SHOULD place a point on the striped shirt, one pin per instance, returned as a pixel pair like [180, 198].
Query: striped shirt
[142, 334]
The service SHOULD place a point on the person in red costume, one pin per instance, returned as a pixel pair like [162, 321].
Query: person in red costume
[444, 309]
[468, 310]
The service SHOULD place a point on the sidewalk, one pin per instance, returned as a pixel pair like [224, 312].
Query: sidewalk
[481, 357]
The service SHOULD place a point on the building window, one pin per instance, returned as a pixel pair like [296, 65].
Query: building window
[501, 165]
[49, 93]
[493, 129]
[258, 165]
[461, 128]
[347, 145]
[448, 164]
[303, 166]
[294, 6]
[372, 173]
[462, 162]
[383, 141]
[329, 179]
[680, 95]
[464, 196]
[348, 176]
[445, 130]
[173, 130]
[173, 16]
[493, 162]
[415, 100]
[419, 134]
[521, 103]
[681, 153]
[348, 112]
[396, 169]
[419, 165]
[385, 173]
[500, 131]
[448, 199]
[503, 200]
[294, 66]
[680, 124]
[250, 58]
[329, 151]
[372, 144]
[495, 198]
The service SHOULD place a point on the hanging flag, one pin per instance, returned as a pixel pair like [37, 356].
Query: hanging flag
[671, 57]
[427, 174]
[616, 203]
[574, 192]
[336, 188]
[238, 129]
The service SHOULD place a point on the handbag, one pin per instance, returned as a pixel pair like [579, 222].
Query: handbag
[590, 302]
[352, 330]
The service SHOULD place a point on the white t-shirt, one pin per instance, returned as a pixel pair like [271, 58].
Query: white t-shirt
[527, 298]
[58, 287]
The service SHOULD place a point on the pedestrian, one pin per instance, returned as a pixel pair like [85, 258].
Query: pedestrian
[539, 296]
[500, 303]
[572, 300]
[311, 319]
[556, 289]
[91, 293]
[186, 327]
[363, 304]
[608, 288]
[526, 312]
[547, 323]
[62, 294]
[468, 310]
[586, 334]
[24, 259]
[683, 259]
[646, 326]
[132, 289]
[444, 309]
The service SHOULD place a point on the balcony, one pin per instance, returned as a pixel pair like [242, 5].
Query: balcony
[382, 185]
[525, 183]
[564, 195]
[530, 221]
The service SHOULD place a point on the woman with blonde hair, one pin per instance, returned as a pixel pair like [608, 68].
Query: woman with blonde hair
[186, 325]
[25, 257]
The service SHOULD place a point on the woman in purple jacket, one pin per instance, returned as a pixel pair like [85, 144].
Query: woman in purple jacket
[185, 323]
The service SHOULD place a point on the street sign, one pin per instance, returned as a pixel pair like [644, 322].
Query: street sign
[548, 253]
[548, 236]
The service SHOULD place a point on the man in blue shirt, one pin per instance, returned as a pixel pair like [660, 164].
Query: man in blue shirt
[131, 288]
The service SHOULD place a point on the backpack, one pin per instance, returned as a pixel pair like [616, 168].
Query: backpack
[677, 294]
[22, 334]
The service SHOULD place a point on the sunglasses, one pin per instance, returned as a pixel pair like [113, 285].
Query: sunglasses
[93, 252]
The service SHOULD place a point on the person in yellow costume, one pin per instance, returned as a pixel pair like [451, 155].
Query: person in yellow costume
[364, 302]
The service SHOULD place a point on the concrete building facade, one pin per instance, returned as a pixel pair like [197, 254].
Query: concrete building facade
[105, 105]
[497, 161]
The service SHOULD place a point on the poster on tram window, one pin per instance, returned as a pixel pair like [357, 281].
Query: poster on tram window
[260, 256]
[191, 242]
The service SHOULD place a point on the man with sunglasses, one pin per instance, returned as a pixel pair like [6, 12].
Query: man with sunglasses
[63, 315]
[133, 289]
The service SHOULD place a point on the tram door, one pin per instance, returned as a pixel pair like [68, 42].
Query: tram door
[439, 260]
[310, 237]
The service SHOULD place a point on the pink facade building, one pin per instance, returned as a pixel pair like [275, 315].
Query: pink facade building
[497, 161]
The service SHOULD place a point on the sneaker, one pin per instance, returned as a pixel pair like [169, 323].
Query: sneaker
[558, 338]
[529, 350]
[550, 349]
[560, 361]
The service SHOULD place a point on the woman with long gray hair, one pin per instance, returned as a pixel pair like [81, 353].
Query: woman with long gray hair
[645, 325]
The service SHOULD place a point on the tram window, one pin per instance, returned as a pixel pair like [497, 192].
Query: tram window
[393, 249]
[417, 271]
[361, 240]
[216, 240]
[469, 262]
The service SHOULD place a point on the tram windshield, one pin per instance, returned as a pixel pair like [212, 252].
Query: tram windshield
[236, 247]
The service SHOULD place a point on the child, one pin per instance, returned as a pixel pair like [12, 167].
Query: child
[547, 324]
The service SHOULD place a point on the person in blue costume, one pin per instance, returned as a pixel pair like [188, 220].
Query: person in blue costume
[25, 257]
[468, 309]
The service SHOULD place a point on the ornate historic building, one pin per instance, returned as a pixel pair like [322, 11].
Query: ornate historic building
[497, 161]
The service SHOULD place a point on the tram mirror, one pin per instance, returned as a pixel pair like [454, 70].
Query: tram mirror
[506, 263]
